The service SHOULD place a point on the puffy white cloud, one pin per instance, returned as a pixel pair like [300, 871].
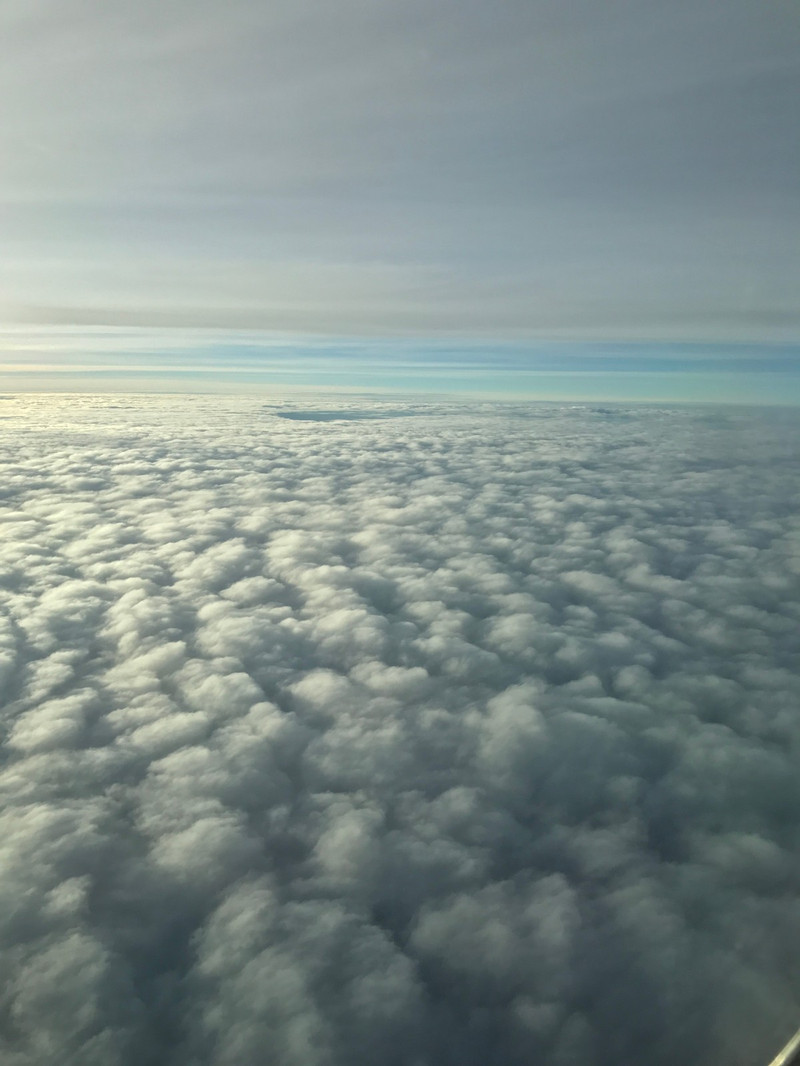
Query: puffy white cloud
[463, 738]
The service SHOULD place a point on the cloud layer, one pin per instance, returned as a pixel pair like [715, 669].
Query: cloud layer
[467, 737]
[521, 167]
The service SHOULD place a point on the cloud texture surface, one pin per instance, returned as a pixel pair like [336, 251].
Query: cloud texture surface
[466, 737]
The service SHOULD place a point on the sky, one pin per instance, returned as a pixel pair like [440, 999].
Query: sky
[355, 719]
[514, 172]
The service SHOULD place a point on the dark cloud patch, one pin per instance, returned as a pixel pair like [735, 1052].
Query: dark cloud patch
[466, 741]
[344, 414]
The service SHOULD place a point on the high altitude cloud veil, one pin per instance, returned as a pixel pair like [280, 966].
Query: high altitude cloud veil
[375, 168]
[466, 738]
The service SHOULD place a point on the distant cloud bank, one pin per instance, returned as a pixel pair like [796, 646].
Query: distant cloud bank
[466, 738]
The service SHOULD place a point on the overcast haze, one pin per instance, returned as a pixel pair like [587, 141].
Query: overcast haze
[496, 169]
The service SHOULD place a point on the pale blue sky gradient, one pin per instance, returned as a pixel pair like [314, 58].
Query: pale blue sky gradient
[477, 173]
[112, 360]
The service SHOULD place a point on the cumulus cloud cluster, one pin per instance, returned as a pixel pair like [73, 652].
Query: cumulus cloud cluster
[467, 738]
